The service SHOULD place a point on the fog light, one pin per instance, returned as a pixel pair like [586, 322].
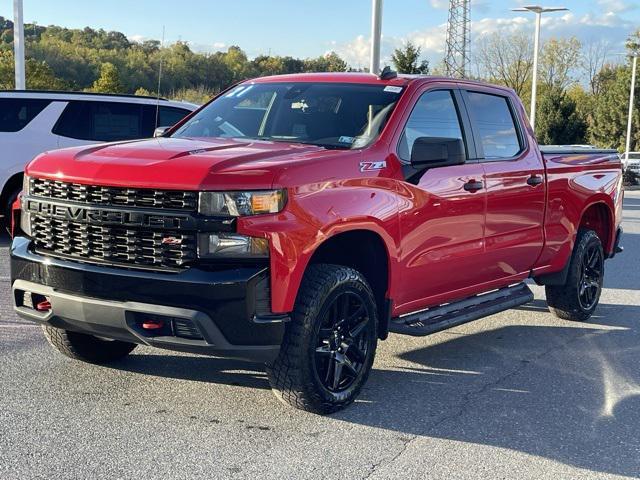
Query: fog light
[223, 245]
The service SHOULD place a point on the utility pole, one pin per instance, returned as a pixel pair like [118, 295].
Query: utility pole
[458, 38]
[18, 44]
[631, 100]
[538, 10]
[376, 34]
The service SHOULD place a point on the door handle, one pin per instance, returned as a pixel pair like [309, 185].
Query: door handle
[473, 186]
[535, 180]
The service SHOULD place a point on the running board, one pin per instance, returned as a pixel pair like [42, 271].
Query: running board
[453, 314]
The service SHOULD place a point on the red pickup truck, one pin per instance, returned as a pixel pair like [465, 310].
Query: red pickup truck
[297, 220]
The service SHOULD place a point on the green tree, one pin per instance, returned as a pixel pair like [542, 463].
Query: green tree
[406, 59]
[38, 74]
[109, 80]
[558, 121]
[609, 126]
[558, 60]
[331, 62]
[633, 43]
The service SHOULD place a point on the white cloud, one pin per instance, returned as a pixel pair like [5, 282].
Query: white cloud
[439, 4]
[611, 25]
[138, 38]
[617, 6]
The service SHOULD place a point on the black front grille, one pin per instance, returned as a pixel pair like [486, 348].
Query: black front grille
[114, 196]
[113, 244]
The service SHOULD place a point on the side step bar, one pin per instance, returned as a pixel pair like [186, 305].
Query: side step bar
[449, 315]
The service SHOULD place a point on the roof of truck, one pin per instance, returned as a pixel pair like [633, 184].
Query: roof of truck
[366, 78]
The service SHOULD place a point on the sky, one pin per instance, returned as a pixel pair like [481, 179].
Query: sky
[309, 28]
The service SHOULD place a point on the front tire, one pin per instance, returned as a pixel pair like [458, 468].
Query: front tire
[329, 346]
[86, 348]
[578, 298]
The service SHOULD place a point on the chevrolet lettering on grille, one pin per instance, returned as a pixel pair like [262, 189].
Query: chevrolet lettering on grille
[102, 216]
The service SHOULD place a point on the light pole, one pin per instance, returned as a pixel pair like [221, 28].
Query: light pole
[538, 10]
[631, 100]
[18, 44]
[376, 33]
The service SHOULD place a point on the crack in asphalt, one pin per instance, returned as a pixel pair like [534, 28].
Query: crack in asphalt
[466, 403]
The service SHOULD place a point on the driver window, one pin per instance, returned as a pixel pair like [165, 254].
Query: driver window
[435, 115]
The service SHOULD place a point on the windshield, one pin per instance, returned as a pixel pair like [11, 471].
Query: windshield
[330, 115]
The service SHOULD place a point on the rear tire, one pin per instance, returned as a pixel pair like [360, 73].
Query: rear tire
[87, 348]
[329, 346]
[577, 299]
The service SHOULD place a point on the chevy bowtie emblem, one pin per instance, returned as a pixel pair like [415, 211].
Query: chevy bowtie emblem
[171, 241]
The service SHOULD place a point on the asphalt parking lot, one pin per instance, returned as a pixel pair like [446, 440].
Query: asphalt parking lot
[518, 395]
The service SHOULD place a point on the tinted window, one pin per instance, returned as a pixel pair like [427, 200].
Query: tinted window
[16, 113]
[168, 116]
[435, 115]
[331, 115]
[103, 121]
[494, 120]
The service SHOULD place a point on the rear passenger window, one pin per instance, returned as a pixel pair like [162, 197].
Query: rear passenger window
[435, 115]
[168, 116]
[16, 113]
[103, 121]
[495, 122]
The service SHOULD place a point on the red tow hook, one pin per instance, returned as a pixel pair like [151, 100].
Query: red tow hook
[152, 324]
[43, 306]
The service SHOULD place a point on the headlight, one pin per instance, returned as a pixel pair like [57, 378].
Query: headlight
[239, 204]
[232, 245]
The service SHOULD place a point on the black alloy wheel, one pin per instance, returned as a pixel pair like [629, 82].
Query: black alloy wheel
[577, 298]
[590, 280]
[342, 345]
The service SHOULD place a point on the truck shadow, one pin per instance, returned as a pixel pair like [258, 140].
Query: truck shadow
[5, 240]
[197, 369]
[570, 394]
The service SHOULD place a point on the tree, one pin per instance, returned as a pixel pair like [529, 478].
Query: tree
[594, 55]
[633, 43]
[558, 121]
[331, 62]
[109, 80]
[558, 60]
[39, 75]
[507, 60]
[609, 126]
[406, 59]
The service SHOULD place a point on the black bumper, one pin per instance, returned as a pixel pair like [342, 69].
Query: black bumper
[220, 312]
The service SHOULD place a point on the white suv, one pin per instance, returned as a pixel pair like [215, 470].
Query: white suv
[32, 122]
[633, 164]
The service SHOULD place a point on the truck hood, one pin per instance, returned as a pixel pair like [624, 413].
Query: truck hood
[180, 163]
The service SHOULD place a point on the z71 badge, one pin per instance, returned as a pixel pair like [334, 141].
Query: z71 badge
[368, 166]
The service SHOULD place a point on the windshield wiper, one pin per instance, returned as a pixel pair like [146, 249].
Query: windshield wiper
[328, 146]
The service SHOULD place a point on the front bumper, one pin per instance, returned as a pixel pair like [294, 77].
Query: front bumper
[221, 312]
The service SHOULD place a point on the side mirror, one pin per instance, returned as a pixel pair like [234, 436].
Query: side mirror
[430, 152]
[160, 131]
